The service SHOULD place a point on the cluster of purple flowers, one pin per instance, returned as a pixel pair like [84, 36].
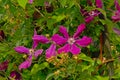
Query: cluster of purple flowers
[67, 43]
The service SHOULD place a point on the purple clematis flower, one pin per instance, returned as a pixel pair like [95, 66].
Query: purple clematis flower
[71, 42]
[14, 75]
[4, 65]
[30, 52]
[116, 16]
[89, 16]
[51, 51]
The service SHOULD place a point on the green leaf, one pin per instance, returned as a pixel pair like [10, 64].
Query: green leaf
[84, 57]
[38, 67]
[59, 17]
[2, 78]
[22, 3]
[102, 11]
[102, 78]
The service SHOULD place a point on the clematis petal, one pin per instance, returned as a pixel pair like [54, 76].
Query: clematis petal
[26, 64]
[21, 49]
[99, 3]
[117, 6]
[89, 19]
[30, 1]
[117, 31]
[35, 43]
[65, 48]
[63, 30]
[58, 39]
[75, 50]
[85, 41]
[51, 51]
[116, 17]
[79, 30]
[38, 52]
[40, 38]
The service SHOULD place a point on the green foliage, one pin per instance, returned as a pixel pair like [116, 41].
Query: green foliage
[18, 19]
[22, 3]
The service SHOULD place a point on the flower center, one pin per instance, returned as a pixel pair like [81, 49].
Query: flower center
[71, 41]
[92, 13]
[31, 51]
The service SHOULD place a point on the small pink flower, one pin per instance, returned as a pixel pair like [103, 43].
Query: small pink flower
[70, 43]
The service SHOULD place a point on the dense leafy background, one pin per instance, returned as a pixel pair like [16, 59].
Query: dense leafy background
[19, 18]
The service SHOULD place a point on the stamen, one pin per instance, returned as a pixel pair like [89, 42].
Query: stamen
[71, 41]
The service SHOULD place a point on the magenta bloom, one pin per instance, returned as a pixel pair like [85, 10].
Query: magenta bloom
[89, 16]
[30, 52]
[4, 65]
[116, 16]
[71, 42]
[51, 50]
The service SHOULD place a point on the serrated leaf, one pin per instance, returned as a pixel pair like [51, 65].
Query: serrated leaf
[22, 3]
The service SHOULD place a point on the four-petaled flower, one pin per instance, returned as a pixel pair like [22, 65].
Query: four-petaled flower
[31, 52]
[116, 16]
[89, 16]
[71, 42]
